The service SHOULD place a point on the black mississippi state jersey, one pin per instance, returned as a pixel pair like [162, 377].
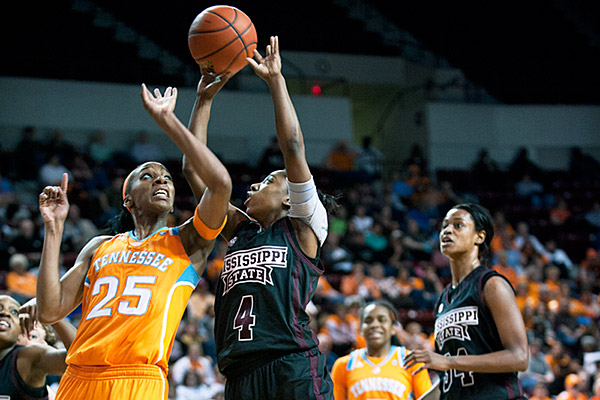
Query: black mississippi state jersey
[464, 326]
[263, 290]
[12, 385]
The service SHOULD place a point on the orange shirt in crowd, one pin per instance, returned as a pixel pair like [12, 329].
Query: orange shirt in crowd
[350, 286]
[23, 284]
[508, 272]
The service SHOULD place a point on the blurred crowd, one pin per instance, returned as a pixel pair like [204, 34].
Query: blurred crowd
[382, 243]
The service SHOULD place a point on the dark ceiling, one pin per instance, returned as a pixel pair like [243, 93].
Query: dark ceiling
[521, 52]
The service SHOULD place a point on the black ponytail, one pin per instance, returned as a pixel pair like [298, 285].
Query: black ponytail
[330, 202]
[120, 223]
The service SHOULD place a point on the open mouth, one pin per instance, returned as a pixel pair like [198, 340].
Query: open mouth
[446, 240]
[4, 325]
[374, 335]
[161, 193]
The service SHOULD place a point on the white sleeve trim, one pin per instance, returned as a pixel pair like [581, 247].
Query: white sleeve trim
[306, 206]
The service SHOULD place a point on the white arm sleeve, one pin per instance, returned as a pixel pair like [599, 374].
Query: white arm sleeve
[306, 206]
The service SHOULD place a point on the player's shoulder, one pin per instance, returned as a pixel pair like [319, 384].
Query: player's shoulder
[341, 362]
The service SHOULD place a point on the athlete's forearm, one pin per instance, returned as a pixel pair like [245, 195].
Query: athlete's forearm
[289, 134]
[65, 331]
[496, 362]
[198, 126]
[205, 163]
[49, 288]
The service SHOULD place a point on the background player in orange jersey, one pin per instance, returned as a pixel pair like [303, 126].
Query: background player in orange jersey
[134, 286]
[377, 371]
[480, 337]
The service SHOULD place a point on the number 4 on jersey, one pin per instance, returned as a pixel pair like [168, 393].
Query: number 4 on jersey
[244, 319]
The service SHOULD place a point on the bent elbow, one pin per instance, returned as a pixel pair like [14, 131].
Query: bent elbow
[222, 183]
[522, 360]
[46, 317]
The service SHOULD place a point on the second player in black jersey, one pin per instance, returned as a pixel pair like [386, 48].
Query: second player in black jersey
[480, 337]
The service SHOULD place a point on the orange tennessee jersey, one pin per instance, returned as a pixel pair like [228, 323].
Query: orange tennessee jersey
[360, 377]
[135, 294]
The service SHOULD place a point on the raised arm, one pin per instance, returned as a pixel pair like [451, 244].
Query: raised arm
[208, 87]
[57, 297]
[214, 203]
[289, 133]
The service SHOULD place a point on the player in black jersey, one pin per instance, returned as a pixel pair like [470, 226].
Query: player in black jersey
[24, 368]
[480, 337]
[265, 347]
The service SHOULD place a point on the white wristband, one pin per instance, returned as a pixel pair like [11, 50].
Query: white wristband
[306, 206]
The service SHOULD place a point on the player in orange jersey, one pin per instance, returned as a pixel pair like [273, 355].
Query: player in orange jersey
[134, 286]
[377, 372]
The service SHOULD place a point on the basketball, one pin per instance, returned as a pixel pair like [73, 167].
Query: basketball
[220, 38]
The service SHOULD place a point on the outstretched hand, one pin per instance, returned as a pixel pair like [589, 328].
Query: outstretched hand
[210, 84]
[53, 202]
[158, 104]
[430, 360]
[269, 65]
[28, 316]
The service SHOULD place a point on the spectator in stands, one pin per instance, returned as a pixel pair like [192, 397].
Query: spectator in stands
[540, 392]
[27, 241]
[143, 149]
[369, 161]
[596, 389]
[194, 387]
[361, 220]
[57, 144]
[7, 191]
[193, 361]
[29, 155]
[409, 290]
[416, 242]
[376, 240]
[341, 157]
[413, 337]
[521, 164]
[20, 283]
[485, 170]
[342, 328]
[200, 301]
[78, 230]
[385, 284]
[271, 158]
[504, 229]
[338, 222]
[358, 283]
[559, 257]
[568, 329]
[501, 266]
[573, 389]
[98, 150]
[560, 213]
[335, 256]
[51, 172]
[528, 189]
[539, 370]
[326, 347]
[523, 235]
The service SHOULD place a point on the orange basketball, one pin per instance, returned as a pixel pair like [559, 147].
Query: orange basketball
[220, 39]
